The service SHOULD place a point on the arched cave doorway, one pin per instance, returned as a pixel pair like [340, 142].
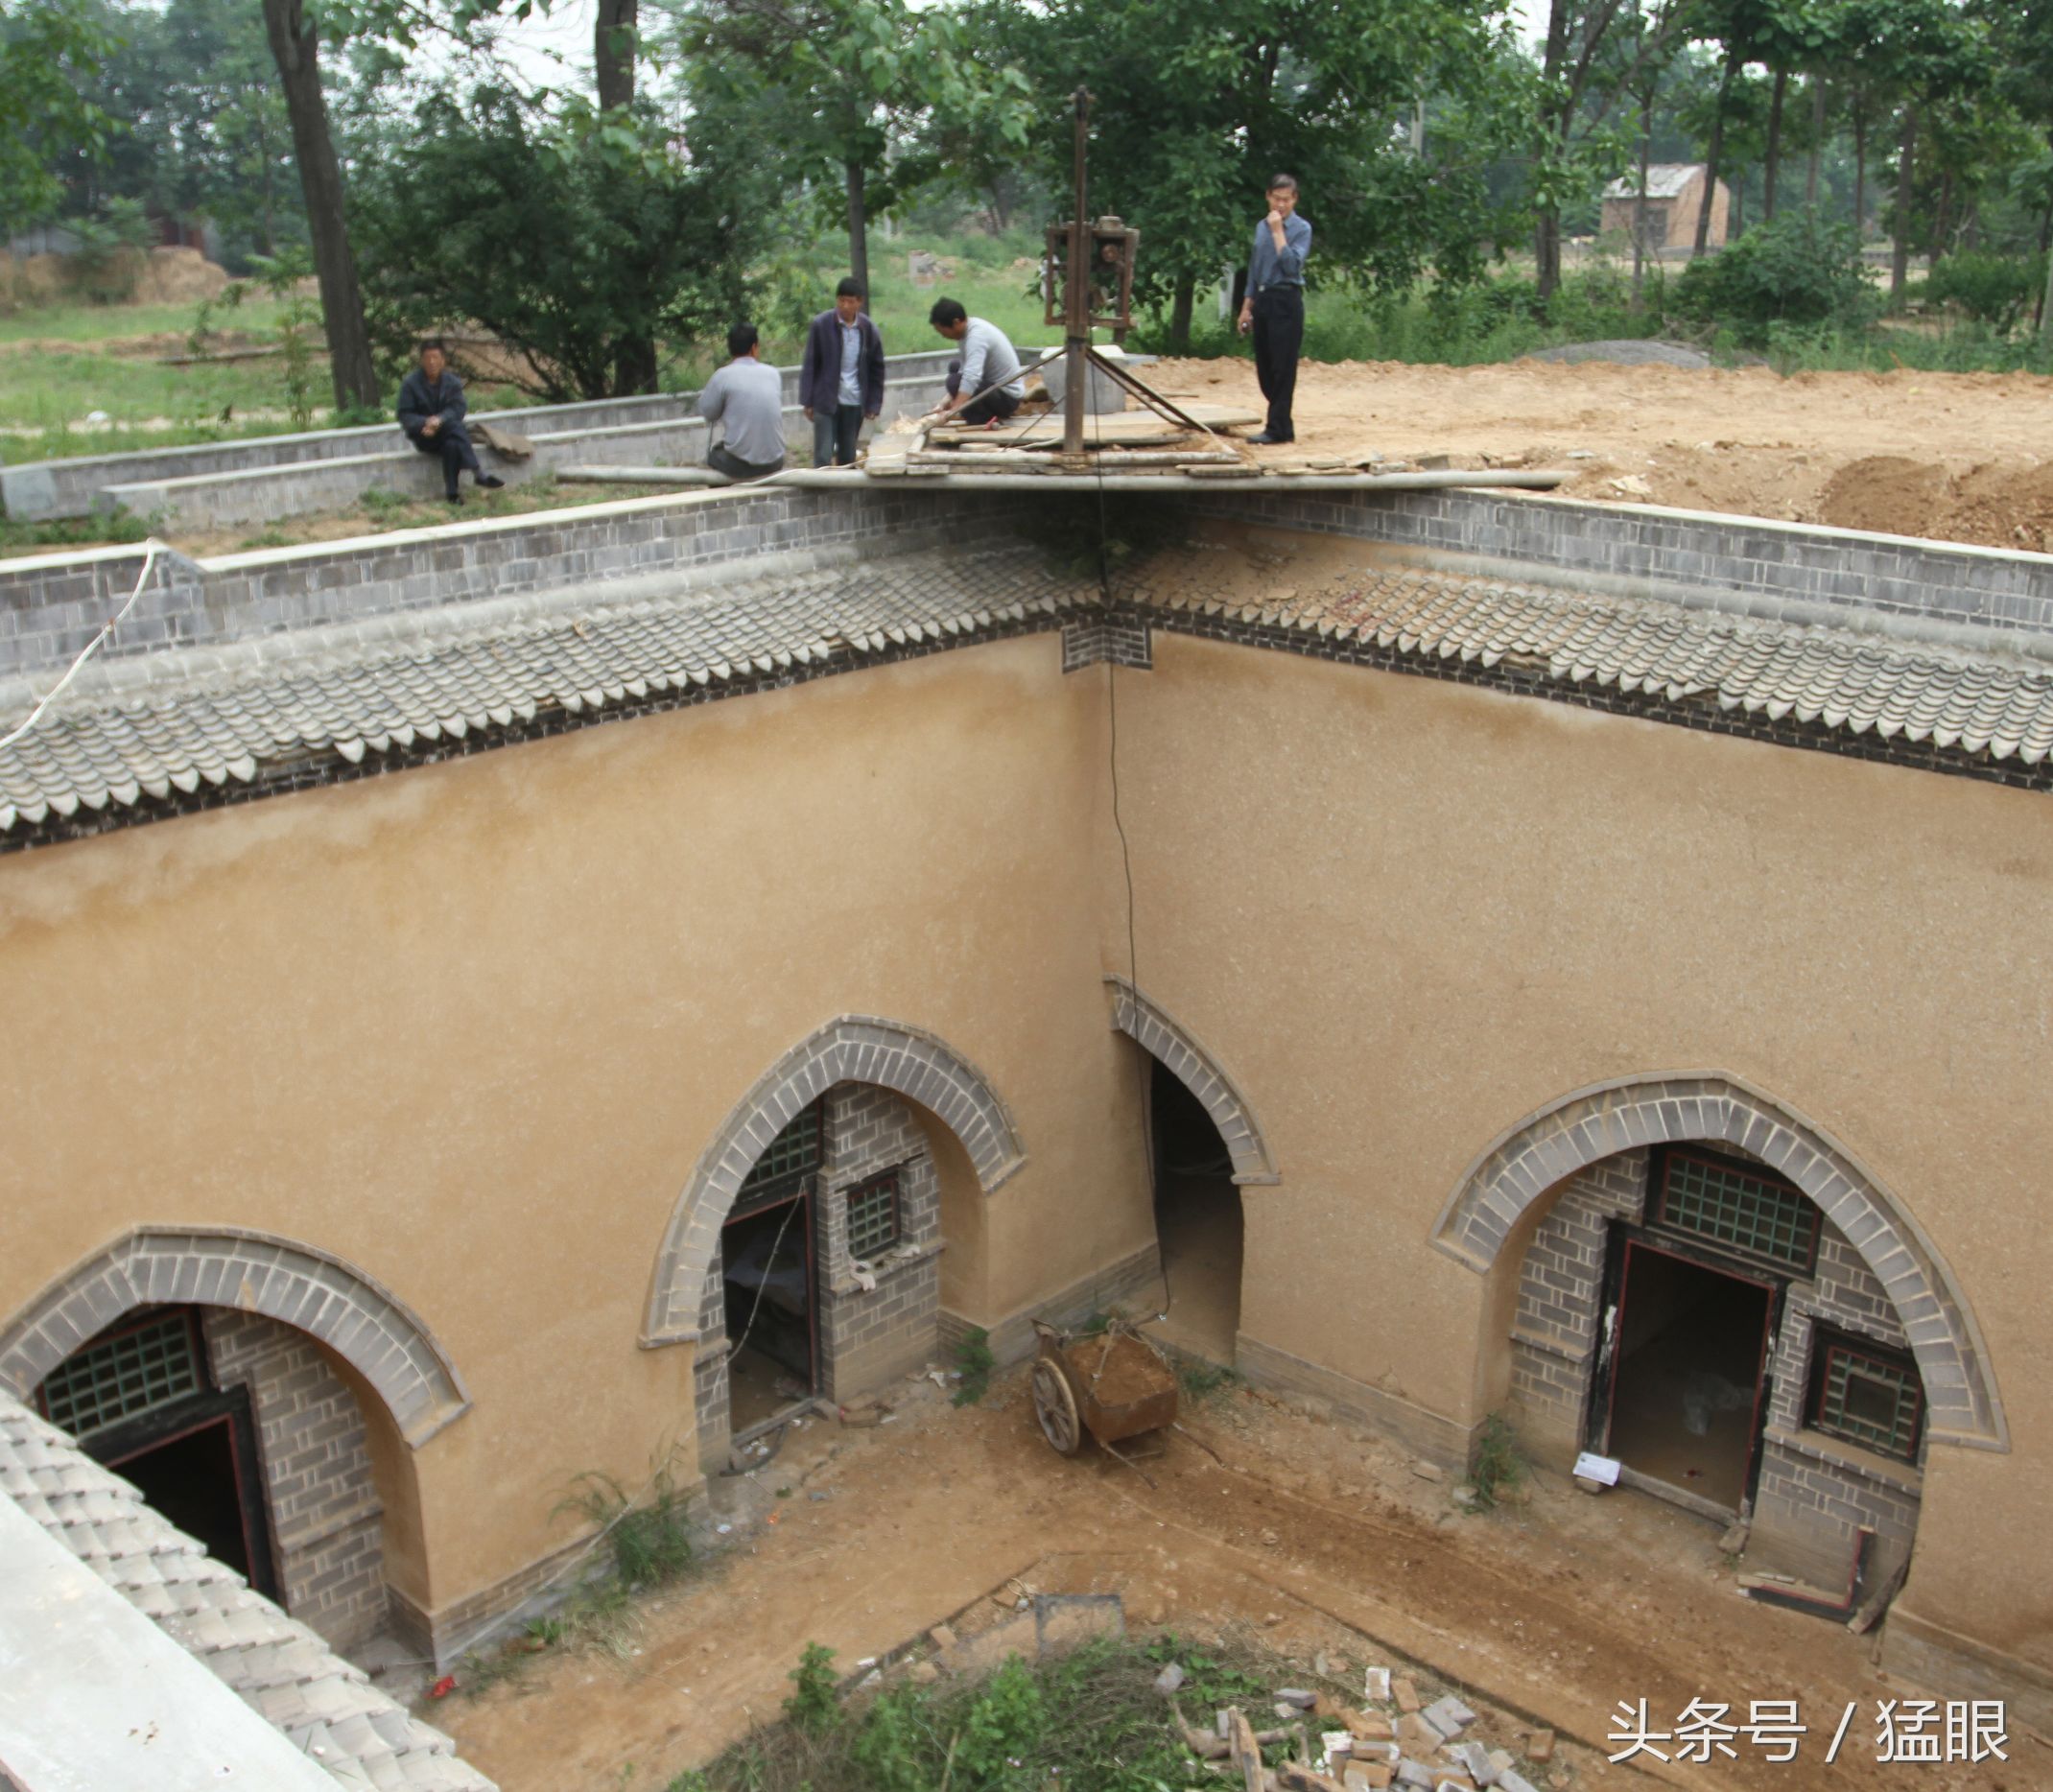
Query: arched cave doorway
[1200, 1229]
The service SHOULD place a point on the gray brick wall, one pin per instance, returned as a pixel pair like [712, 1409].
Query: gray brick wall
[327, 1537]
[1119, 637]
[1553, 1339]
[870, 1336]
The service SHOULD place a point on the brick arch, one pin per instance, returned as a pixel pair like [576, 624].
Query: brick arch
[367, 1326]
[1155, 1028]
[858, 1048]
[1527, 1163]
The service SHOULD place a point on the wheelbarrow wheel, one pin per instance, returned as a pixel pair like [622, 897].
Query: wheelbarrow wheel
[1054, 1407]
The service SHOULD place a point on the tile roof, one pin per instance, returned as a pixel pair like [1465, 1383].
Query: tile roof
[1665, 180]
[1854, 681]
[326, 1707]
[169, 723]
[145, 728]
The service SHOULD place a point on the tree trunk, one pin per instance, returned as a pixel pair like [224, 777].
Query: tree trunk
[613, 51]
[1181, 305]
[1646, 150]
[295, 46]
[1942, 219]
[1547, 251]
[859, 243]
[2045, 307]
[1860, 176]
[1775, 143]
[1899, 246]
[1553, 123]
[1714, 151]
[1817, 140]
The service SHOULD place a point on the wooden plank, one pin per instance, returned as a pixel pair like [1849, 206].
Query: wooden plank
[1127, 428]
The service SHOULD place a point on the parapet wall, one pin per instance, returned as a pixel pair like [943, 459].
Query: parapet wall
[1795, 572]
[52, 605]
[72, 486]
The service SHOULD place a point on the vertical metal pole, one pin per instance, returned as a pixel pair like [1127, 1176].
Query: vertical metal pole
[1077, 329]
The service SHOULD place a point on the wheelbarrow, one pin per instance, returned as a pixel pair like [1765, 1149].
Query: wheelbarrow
[1109, 1385]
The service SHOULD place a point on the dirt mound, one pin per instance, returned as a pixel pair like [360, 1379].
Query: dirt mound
[178, 276]
[1999, 504]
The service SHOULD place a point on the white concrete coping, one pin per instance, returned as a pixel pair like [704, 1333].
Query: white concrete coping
[95, 1698]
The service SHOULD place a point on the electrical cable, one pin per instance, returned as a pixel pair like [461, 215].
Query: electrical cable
[92, 647]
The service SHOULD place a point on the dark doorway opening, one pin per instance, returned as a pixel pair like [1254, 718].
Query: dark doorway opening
[766, 1260]
[1198, 1225]
[194, 1461]
[1689, 1357]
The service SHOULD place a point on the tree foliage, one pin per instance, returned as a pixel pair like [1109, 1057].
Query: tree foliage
[570, 240]
[48, 50]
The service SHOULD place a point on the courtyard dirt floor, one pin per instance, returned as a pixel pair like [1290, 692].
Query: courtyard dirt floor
[1262, 1515]
[1959, 457]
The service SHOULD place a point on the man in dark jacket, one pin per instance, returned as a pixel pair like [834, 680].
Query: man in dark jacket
[432, 412]
[841, 381]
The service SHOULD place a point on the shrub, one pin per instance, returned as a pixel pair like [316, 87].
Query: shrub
[975, 1361]
[813, 1705]
[998, 1747]
[1992, 289]
[1500, 1463]
[1792, 269]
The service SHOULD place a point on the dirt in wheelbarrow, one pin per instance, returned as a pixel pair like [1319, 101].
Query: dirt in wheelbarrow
[1118, 1370]
[1252, 1515]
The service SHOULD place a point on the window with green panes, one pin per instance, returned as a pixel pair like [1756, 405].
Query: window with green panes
[873, 1224]
[140, 1366]
[1865, 1393]
[1739, 1207]
[793, 1153]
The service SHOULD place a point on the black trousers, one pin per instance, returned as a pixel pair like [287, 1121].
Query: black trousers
[721, 461]
[452, 441]
[1278, 339]
[994, 406]
[834, 434]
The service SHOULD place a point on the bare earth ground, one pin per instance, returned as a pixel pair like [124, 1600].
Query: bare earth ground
[1961, 457]
[1310, 1533]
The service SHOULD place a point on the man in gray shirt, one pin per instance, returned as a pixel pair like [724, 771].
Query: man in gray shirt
[1274, 309]
[749, 399]
[988, 360]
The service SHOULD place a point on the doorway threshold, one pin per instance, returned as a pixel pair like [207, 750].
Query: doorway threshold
[806, 1408]
[1677, 1495]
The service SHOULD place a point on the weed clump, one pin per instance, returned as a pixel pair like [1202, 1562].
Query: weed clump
[1500, 1463]
[974, 1362]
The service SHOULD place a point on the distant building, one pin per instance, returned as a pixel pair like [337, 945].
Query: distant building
[1666, 218]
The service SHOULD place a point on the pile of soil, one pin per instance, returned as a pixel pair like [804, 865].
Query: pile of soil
[1999, 503]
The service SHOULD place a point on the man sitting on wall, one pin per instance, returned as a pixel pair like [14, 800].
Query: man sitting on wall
[841, 381]
[747, 398]
[988, 362]
[432, 412]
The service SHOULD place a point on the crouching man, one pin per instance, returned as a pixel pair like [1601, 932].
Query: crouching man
[746, 399]
[432, 412]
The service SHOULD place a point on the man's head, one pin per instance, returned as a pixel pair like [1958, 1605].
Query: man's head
[950, 319]
[742, 340]
[1282, 194]
[433, 356]
[848, 299]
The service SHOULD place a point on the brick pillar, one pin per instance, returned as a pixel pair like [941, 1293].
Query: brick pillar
[327, 1536]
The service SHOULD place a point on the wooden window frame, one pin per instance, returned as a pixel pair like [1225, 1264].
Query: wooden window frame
[1827, 1341]
[127, 1326]
[752, 1195]
[1658, 1208]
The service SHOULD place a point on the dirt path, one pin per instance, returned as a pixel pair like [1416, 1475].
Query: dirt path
[1315, 1534]
[1962, 456]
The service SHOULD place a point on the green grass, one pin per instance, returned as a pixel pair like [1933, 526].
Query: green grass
[60, 534]
[78, 322]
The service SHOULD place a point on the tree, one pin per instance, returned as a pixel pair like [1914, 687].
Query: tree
[47, 49]
[295, 46]
[574, 241]
[1197, 101]
[865, 97]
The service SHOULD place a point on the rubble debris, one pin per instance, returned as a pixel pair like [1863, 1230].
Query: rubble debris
[1376, 1685]
[1405, 1693]
[1449, 1715]
[1297, 1696]
[1170, 1679]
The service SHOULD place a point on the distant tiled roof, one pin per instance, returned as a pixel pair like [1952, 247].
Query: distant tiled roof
[1859, 682]
[326, 1707]
[172, 722]
[1665, 180]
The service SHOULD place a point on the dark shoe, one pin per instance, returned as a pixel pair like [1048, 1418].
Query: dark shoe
[453, 497]
[1267, 441]
[490, 481]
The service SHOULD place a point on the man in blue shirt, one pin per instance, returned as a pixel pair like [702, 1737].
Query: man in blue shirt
[1274, 308]
[841, 381]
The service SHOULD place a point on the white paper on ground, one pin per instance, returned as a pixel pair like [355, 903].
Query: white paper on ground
[1594, 1468]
